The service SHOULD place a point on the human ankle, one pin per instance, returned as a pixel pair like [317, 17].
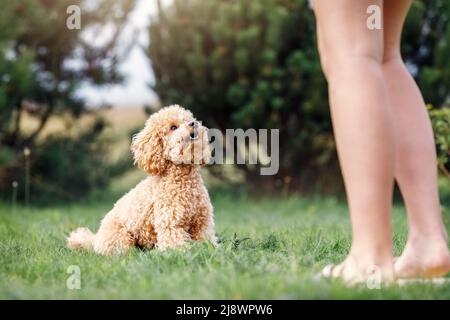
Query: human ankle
[380, 257]
[431, 237]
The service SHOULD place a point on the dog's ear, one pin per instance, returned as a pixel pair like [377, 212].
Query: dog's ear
[147, 148]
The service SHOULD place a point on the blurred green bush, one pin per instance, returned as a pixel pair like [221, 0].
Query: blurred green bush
[440, 119]
[62, 167]
[42, 63]
[254, 64]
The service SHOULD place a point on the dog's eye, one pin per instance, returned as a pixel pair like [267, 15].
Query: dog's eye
[173, 127]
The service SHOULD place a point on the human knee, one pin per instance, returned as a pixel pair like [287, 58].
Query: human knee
[391, 55]
[334, 60]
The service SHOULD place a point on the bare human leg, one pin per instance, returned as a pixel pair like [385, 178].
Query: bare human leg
[351, 56]
[426, 253]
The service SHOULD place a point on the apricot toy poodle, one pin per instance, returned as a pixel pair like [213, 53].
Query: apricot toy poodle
[171, 206]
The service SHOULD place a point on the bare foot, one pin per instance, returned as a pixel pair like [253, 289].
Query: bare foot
[423, 258]
[353, 271]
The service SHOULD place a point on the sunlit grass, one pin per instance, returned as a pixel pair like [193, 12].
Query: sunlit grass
[270, 249]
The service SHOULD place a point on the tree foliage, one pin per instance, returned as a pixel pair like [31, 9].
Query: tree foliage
[254, 64]
[426, 48]
[42, 64]
[440, 119]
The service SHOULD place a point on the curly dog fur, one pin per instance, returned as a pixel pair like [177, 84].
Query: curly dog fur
[170, 206]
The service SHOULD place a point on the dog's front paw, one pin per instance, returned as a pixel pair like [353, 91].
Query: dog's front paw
[215, 242]
[174, 239]
[179, 245]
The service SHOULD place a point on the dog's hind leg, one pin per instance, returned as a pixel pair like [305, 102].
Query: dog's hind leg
[112, 238]
[81, 238]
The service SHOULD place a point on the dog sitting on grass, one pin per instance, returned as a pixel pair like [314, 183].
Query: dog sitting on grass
[169, 207]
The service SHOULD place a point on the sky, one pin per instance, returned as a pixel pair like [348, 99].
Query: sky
[136, 68]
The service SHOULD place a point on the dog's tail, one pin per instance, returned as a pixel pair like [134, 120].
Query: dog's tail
[81, 238]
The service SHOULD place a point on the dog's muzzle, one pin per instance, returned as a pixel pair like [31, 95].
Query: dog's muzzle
[194, 130]
[194, 135]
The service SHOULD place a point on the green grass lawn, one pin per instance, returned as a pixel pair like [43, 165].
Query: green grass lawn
[270, 249]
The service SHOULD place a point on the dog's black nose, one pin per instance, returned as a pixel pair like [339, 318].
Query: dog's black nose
[193, 124]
